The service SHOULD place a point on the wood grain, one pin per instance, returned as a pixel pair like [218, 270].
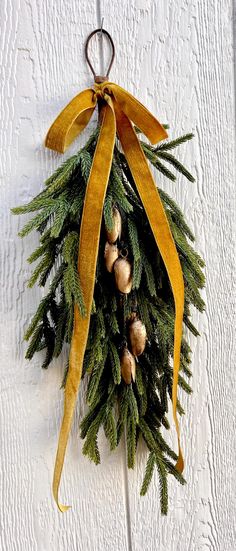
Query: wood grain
[177, 57]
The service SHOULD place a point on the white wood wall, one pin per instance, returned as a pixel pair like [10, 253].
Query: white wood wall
[177, 57]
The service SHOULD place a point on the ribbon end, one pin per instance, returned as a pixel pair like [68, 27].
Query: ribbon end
[50, 144]
[180, 463]
[63, 508]
[159, 135]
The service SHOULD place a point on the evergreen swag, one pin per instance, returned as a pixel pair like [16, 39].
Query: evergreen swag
[143, 404]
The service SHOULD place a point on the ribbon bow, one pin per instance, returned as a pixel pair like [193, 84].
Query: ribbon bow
[120, 108]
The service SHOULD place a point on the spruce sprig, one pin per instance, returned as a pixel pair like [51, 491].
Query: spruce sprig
[136, 411]
[166, 146]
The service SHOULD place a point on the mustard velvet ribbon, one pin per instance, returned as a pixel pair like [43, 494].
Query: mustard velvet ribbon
[119, 109]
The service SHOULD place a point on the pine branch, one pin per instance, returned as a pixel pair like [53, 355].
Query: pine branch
[133, 406]
[166, 146]
[39, 315]
[147, 268]
[37, 203]
[137, 273]
[163, 484]
[148, 473]
[191, 327]
[123, 412]
[109, 426]
[178, 166]
[70, 247]
[63, 383]
[35, 223]
[172, 470]
[118, 192]
[134, 239]
[131, 441]
[60, 327]
[164, 170]
[114, 326]
[115, 363]
[60, 217]
[37, 253]
[86, 163]
[49, 336]
[90, 417]
[108, 212]
[63, 171]
[147, 435]
[90, 447]
[176, 214]
[96, 377]
[35, 341]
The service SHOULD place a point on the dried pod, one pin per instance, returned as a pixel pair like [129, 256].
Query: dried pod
[110, 254]
[115, 233]
[128, 366]
[122, 270]
[132, 316]
[137, 337]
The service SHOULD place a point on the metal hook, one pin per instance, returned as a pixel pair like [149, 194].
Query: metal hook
[101, 45]
[101, 28]
[102, 32]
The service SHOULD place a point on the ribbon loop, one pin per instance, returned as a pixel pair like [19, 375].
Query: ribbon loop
[71, 121]
[120, 108]
[138, 114]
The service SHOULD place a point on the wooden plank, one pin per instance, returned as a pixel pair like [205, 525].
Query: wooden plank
[42, 66]
[177, 58]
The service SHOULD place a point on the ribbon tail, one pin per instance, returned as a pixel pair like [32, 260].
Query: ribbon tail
[71, 121]
[87, 261]
[161, 230]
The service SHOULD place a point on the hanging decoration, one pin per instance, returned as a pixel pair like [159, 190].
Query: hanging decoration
[120, 277]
